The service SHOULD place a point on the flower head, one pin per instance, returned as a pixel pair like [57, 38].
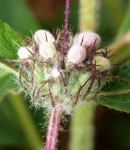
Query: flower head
[49, 78]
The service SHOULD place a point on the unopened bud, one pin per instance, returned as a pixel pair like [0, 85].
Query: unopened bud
[76, 54]
[55, 73]
[24, 52]
[88, 40]
[102, 63]
[41, 36]
[47, 50]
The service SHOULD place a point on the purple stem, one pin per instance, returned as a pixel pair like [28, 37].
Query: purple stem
[53, 128]
[67, 10]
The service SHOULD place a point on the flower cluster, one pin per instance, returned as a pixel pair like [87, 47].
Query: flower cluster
[53, 77]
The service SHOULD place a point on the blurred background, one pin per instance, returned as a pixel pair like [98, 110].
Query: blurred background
[21, 126]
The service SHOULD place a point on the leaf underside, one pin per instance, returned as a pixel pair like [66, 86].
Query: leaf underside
[118, 101]
[16, 125]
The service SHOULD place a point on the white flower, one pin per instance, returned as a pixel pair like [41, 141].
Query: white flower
[42, 36]
[55, 73]
[87, 39]
[47, 50]
[76, 54]
[24, 52]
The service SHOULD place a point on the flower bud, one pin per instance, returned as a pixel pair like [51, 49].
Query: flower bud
[47, 50]
[76, 54]
[24, 52]
[88, 40]
[102, 63]
[55, 73]
[42, 36]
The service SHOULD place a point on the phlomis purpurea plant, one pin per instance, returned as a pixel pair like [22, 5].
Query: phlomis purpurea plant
[61, 72]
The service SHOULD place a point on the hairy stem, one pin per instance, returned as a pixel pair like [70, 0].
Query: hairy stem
[66, 24]
[82, 129]
[87, 15]
[53, 127]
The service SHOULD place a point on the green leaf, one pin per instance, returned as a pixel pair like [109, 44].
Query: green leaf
[8, 68]
[8, 47]
[16, 125]
[10, 134]
[6, 82]
[3, 73]
[18, 15]
[114, 99]
[8, 40]
[119, 102]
